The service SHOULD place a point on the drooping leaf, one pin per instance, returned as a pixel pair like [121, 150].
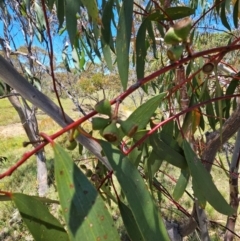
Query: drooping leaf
[60, 11]
[71, 9]
[144, 210]
[209, 110]
[144, 112]
[155, 162]
[107, 54]
[65, 58]
[173, 13]
[85, 214]
[141, 48]
[41, 24]
[123, 40]
[236, 13]
[204, 183]
[40, 222]
[92, 8]
[129, 222]
[223, 16]
[167, 153]
[181, 184]
[106, 22]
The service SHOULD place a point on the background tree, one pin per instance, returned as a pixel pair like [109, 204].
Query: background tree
[194, 90]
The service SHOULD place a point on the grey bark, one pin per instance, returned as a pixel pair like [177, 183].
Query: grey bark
[11, 77]
[29, 123]
[233, 186]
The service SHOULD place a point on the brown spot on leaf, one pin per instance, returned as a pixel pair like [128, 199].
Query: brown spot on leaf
[71, 185]
[65, 210]
[102, 217]
[61, 172]
[98, 238]
[105, 236]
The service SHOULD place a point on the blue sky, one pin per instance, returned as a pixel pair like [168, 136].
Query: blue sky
[58, 40]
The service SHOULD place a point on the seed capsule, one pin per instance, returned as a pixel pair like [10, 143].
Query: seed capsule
[129, 128]
[171, 37]
[103, 107]
[182, 28]
[111, 133]
[99, 123]
[175, 52]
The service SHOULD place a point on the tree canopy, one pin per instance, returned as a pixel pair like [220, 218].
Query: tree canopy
[178, 61]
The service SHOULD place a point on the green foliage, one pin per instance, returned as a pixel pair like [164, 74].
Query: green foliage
[41, 224]
[82, 206]
[136, 43]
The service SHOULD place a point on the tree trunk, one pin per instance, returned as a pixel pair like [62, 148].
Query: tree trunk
[233, 186]
[30, 125]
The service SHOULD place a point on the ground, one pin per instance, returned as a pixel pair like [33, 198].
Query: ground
[11, 130]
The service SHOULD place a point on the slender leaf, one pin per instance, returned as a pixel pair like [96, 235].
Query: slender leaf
[141, 48]
[236, 14]
[144, 210]
[123, 40]
[173, 13]
[92, 8]
[203, 181]
[181, 184]
[60, 11]
[167, 153]
[130, 222]
[71, 9]
[223, 16]
[230, 90]
[144, 112]
[86, 216]
[107, 55]
[155, 162]
[40, 222]
[106, 22]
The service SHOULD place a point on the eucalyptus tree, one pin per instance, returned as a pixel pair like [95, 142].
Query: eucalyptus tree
[194, 110]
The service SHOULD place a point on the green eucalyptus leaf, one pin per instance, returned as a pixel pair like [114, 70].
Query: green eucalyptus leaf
[173, 13]
[181, 184]
[143, 113]
[106, 22]
[141, 48]
[123, 40]
[60, 4]
[202, 180]
[230, 90]
[41, 24]
[71, 9]
[167, 153]
[223, 16]
[84, 211]
[144, 209]
[235, 14]
[130, 222]
[107, 55]
[40, 222]
[92, 8]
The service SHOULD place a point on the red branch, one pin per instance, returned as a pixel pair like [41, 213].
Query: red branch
[121, 97]
[51, 58]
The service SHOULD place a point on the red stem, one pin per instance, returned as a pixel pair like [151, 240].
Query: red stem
[51, 58]
[176, 116]
[122, 96]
